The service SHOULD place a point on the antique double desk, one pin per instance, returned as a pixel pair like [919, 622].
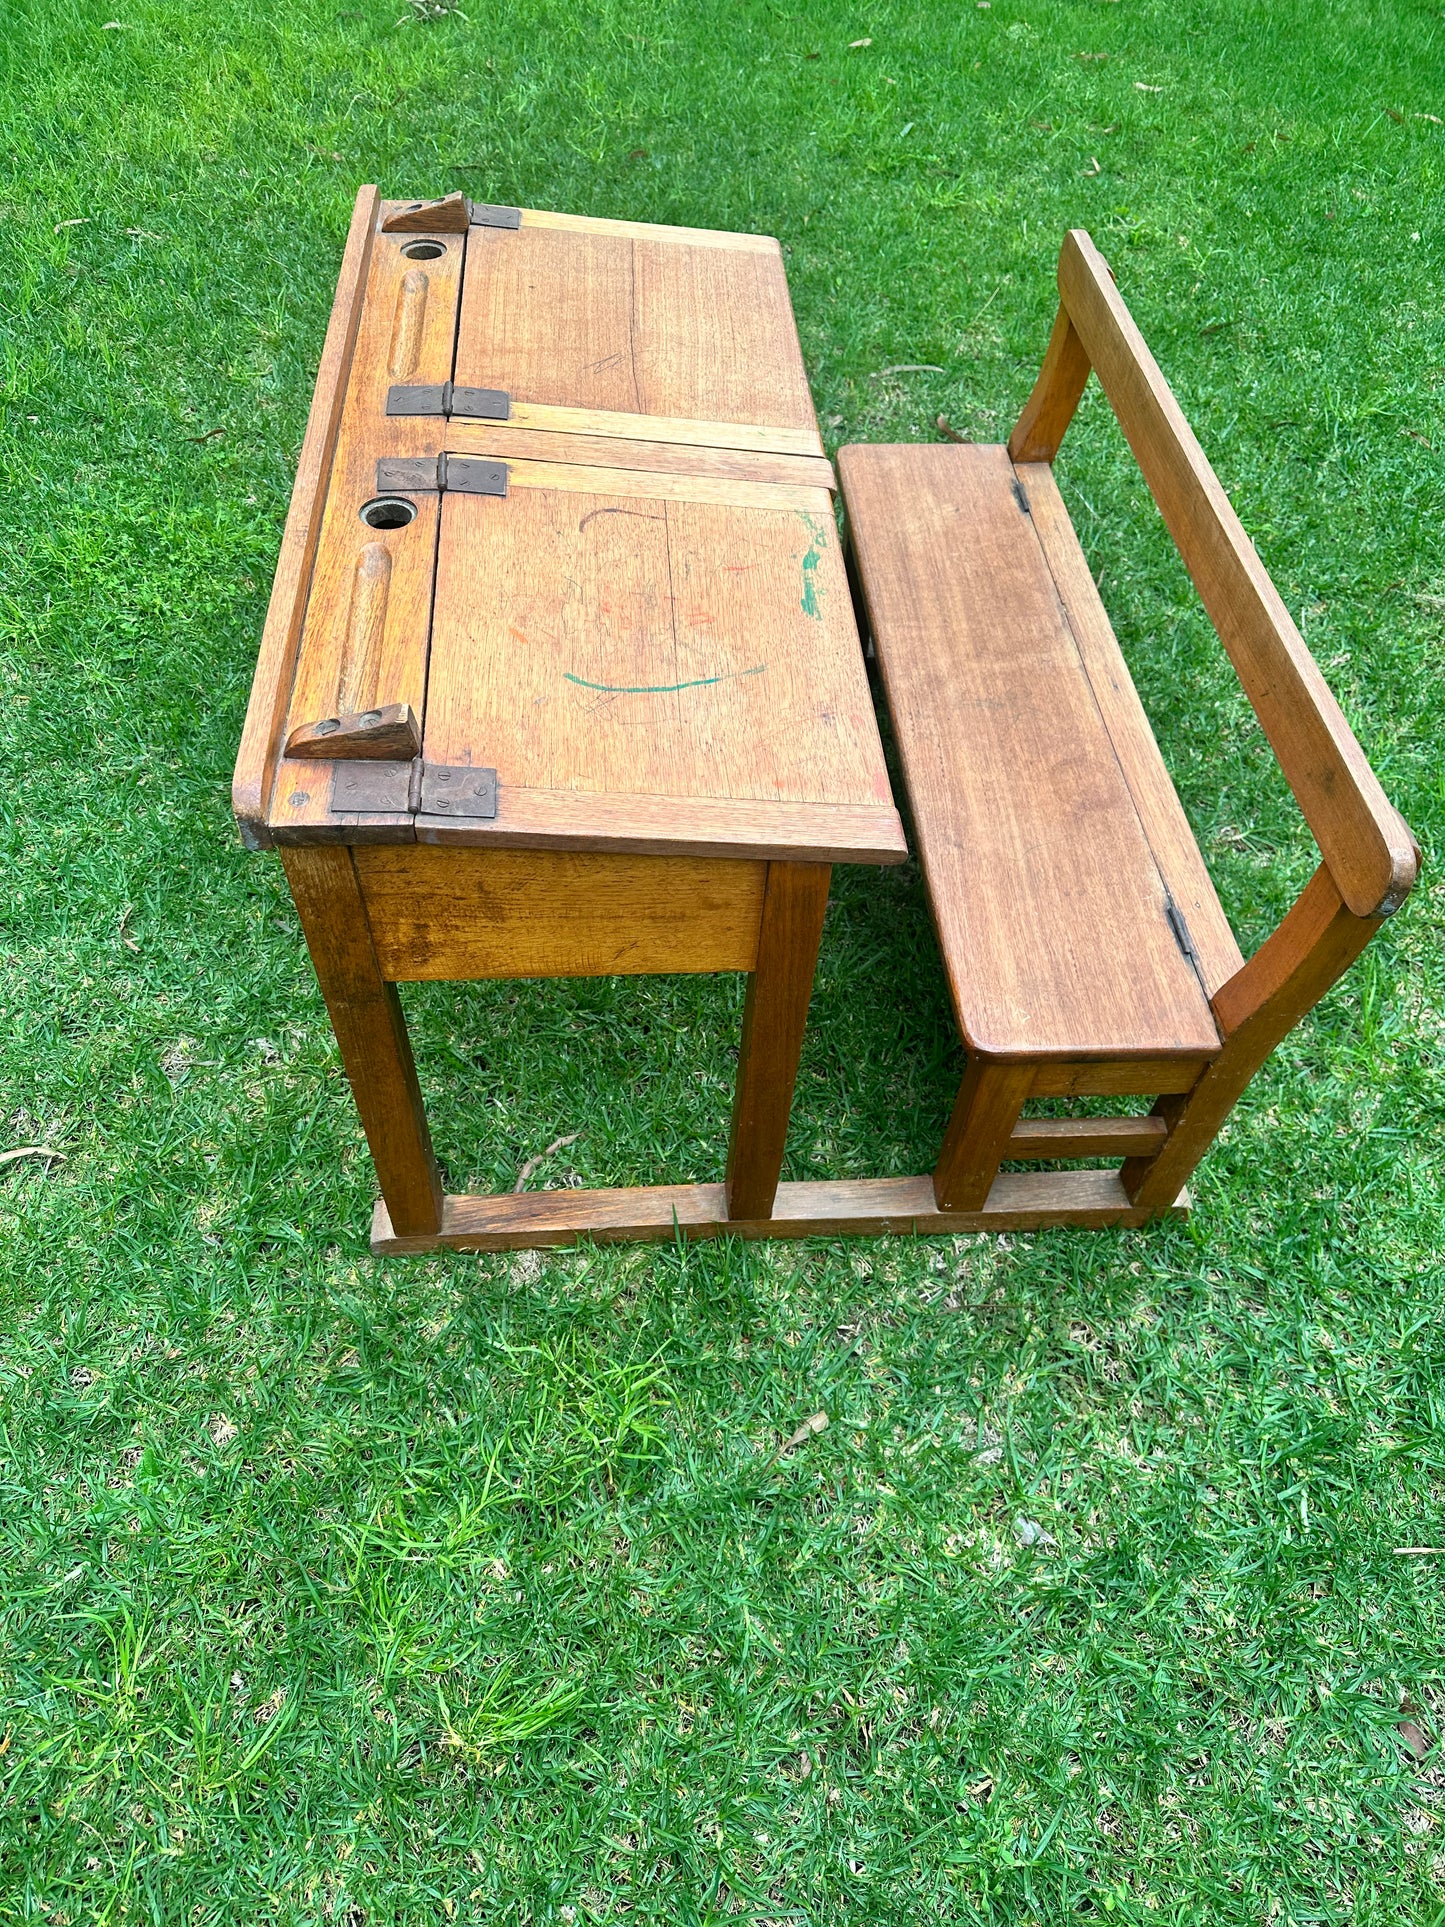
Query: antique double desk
[561, 675]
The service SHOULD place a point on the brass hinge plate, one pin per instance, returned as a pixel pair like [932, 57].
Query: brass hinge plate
[457, 790]
[448, 398]
[434, 789]
[372, 788]
[462, 474]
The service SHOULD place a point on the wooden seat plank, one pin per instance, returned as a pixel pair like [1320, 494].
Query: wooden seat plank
[1052, 913]
[1155, 797]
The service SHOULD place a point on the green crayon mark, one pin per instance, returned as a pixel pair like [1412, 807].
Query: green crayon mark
[811, 604]
[661, 688]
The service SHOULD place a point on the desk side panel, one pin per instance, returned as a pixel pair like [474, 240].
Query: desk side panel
[457, 914]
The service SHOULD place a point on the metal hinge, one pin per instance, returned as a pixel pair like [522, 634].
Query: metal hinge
[387, 788]
[1181, 930]
[452, 214]
[435, 789]
[485, 215]
[451, 789]
[462, 474]
[449, 398]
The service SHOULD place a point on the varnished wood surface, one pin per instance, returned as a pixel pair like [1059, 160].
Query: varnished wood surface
[635, 684]
[774, 1019]
[464, 913]
[449, 215]
[1122, 1077]
[509, 442]
[609, 645]
[868, 1207]
[640, 485]
[369, 613]
[1086, 1137]
[375, 735]
[587, 314]
[1050, 907]
[1363, 839]
[371, 1033]
[1155, 798]
[979, 1133]
[275, 664]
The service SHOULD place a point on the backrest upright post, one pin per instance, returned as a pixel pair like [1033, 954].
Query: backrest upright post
[1057, 392]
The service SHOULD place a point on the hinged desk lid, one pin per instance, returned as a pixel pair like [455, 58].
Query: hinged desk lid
[653, 660]
[569, 314]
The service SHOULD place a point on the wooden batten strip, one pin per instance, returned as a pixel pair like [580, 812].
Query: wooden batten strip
[678, 826]
[576, 479]
[280, 639]
[868, 1207]
[501, 441]
[763, 437]
[1118, 1077]
[697, 237]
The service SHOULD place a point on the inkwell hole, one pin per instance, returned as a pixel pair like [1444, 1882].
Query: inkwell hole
[388, 512]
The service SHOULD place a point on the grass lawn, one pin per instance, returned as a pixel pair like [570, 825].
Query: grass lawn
[471, 1590]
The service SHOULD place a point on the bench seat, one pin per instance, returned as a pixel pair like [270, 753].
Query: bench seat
[1075, 916]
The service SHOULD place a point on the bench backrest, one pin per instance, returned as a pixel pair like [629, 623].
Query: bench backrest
[1365, 843]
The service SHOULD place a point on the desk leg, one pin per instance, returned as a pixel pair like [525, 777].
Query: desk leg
[371, 1031]
[774, 1018]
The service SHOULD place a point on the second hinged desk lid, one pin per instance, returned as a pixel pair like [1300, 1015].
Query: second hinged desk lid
[651, 661]
[623, 582]
[575, 317]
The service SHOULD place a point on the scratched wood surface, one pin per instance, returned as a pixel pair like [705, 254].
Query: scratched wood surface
[1051, 908]
[605, 315]
[587, 643]
[650, 637]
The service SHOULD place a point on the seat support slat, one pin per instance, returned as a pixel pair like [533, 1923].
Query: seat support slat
[1086, 1137]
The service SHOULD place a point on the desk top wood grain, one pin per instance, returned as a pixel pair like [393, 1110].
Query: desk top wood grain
[650, 637]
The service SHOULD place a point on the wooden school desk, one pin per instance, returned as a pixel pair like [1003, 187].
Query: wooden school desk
[561, 676]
